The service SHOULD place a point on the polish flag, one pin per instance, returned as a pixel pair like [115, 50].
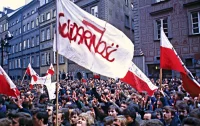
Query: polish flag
[50, 70]
[138, 80]
[7, 87]
[170, 60]
[31, 72]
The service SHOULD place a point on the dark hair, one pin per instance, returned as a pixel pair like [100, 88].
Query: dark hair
[183, 106]
[108, 120]
[152, 122]
[44, 116]
[191, 121]
[130, 112]
[25, 121]
[195, 113]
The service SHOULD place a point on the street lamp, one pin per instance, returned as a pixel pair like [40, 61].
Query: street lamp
[5, 47]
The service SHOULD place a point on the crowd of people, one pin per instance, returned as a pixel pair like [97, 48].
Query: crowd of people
[97, 102]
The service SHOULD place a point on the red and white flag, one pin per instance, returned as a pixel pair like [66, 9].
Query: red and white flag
[138, 80]
[92, 43]
[42, 80]
[170, 60]
[7, 87]
[50, 70]
[31, 72]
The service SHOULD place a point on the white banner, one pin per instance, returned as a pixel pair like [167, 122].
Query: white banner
[42, 80]
[91, 42]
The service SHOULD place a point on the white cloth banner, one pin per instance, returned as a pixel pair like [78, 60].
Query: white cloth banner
[42, 80]
[91, 42]
[51, 88]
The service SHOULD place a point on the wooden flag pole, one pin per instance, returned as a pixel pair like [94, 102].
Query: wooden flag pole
[161, 27]
[23, 77]
[57, 67]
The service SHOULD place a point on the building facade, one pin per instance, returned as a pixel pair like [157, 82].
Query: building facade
[47, 23]
[181, 23]
[3, 32]
[24, 26]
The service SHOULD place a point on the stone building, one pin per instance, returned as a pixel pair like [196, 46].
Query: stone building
[181, 22]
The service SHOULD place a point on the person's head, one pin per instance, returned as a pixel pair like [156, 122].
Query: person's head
[50, 110]
[74, 116]
[112, 111]
[60, 118]
[85, 119]
[190, 121]
[41, 119]
[183, 110]
[179, 95]
[147, 115]
[152, 122]
[195, 113]
[159, 114]
[108, 120]
[134, 98]
[119, 121]
[130, 114]
[5, 122]
[23, 121]
[123, 105]
[43, 98]
[168, 113]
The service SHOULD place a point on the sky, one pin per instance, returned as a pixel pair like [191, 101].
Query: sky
[13, 4]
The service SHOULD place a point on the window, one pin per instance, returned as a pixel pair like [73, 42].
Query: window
[188, 62]
[195, 22]
[132, 6]
[24, 47]
[43, 59]
[10, 65]
[28, 43]
[20, 30]
[157, 1]
[94, 11]
[17, 21]
[48, 57]
[28, 60]
[32, 61]
[13, 49]
[54, 13]
[61, 59]
[32, 42]
[16, 32]
[24, 63]
[32, 24]
[16, 48]
[127, 23]
[42, 18]
[24, 28]
[37, 21]
[37, 40]
[20, 46]
[126, 2]
[37, 61]
[19, 63]
[32, 12]
[48, 34]
[165, 27]
[43, 35]
[54, 57]
[28, 26]
[16, 63]
[48, 15]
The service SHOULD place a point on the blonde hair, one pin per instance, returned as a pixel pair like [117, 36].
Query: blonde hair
[88, 117]
[122, 120]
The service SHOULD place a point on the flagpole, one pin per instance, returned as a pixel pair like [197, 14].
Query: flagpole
[23, 77]
[57, 67]
[161, 27]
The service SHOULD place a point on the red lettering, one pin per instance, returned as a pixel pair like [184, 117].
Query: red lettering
[78, 33]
